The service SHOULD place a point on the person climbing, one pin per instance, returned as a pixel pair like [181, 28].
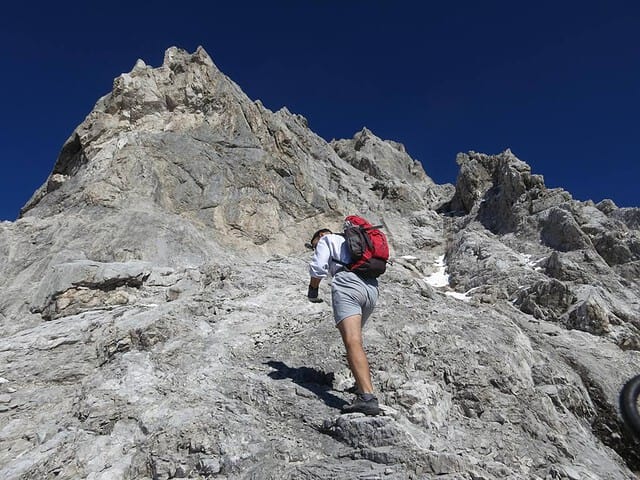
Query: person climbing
[353, 298]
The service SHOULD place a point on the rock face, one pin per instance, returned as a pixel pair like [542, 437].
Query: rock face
[155, 325]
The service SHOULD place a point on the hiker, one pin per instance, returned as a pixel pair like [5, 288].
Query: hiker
[353, 298]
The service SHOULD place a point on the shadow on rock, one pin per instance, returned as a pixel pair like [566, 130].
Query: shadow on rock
[316, 381]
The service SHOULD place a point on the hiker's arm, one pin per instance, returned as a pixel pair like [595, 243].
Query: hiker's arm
[319, 266]
[318, 269]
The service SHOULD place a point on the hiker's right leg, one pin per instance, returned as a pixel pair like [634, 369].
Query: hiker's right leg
[351, 330]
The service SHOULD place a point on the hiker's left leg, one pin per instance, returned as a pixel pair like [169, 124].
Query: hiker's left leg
[351, 330]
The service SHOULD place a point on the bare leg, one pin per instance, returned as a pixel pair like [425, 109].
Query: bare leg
[351, 331]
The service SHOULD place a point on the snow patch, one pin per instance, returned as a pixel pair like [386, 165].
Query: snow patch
[460, 296]
[440, 279]
[533, 264]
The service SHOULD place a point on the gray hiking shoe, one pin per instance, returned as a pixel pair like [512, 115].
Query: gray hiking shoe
[366, 403]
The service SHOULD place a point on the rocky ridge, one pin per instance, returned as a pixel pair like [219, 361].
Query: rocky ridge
[154, 323]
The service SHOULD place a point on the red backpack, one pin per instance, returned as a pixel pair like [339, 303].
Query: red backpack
[367, 245]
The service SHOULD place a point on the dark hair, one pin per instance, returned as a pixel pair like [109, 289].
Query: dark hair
[316, 235]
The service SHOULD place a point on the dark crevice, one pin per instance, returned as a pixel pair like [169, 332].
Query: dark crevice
[71, 157]
[606, 424]
[112, 284]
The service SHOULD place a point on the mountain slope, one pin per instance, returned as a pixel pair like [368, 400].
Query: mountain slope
[155, 323]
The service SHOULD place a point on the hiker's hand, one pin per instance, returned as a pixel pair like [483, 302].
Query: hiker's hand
[312, 295]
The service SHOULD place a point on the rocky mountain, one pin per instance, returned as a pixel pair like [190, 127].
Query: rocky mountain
[155, 325]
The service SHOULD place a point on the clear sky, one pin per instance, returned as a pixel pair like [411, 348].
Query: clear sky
[557, 82]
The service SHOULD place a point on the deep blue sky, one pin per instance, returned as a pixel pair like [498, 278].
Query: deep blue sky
[557, 82]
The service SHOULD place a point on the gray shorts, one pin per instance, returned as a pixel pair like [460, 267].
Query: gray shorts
[353, 295]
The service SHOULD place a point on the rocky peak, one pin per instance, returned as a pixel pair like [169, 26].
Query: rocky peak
[382, 159]
[182, 95]
[485, 177]
[187, 82]
[183, 139]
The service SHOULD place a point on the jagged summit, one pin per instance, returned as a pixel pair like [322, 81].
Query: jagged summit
[155, 325]
[183, 139]
[382, 159]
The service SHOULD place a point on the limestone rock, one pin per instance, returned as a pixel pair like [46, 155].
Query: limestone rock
[493, 184]
[395, 175]
[384, 160]
[87, 283]
[561, 232]
[546, 299]
[591, 316]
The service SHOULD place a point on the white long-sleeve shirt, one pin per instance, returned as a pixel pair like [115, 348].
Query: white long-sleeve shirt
[329, 247]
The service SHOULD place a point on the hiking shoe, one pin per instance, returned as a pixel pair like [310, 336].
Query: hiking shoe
[366, 403]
